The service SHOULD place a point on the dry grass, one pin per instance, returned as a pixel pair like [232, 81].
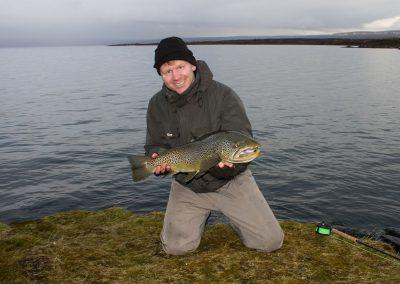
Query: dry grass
[117, 246]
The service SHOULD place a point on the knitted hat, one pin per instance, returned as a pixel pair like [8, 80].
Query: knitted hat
[172, 48]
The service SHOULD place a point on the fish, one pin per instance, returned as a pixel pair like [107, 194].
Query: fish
[196, 157]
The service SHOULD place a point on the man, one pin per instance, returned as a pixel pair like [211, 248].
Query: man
[190, 105]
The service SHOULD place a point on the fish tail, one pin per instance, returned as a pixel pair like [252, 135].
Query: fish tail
[138, 167]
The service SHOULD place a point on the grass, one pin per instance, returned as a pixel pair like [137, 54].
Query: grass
[117, 246]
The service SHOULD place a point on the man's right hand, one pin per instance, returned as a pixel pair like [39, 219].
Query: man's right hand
[161, 169]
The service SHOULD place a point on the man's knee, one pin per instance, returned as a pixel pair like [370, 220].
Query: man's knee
[174, 248]
[267, 244]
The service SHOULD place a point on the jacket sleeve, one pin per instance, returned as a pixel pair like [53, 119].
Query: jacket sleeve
[153, 143]
[233, 117]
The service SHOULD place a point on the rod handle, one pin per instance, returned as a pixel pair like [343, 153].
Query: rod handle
[353, 239]
[344, 235]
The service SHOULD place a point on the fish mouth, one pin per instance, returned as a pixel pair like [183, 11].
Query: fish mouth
[245, 155]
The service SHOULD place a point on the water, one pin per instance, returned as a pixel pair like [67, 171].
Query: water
[328, 119]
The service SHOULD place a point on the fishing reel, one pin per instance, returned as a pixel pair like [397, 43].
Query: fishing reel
[323, 229]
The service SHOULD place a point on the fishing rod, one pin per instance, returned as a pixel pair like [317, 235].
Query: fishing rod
[327, 230]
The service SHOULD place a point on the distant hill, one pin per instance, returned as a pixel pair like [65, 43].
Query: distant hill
[348, 35]
[382, 39]
[368, 35]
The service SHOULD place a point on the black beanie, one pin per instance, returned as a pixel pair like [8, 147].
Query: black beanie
[172, 48]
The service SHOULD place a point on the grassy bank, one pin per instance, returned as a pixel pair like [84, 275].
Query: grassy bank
[115, 245]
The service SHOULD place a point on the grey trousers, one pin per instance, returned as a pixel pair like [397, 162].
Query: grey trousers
[240, 200]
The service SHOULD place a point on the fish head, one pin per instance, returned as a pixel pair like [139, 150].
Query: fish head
[240, 148]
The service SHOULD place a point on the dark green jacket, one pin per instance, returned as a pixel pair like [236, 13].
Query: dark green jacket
[207, 106]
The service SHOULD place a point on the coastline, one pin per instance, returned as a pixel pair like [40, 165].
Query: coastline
[115, 245]
[351, 43]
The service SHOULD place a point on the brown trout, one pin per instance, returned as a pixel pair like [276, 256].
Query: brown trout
[197, 157]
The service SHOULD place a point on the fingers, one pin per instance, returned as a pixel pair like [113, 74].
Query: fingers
[225, 164]
[162, 169]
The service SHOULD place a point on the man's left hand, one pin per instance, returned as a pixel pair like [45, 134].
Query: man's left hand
[225, 164]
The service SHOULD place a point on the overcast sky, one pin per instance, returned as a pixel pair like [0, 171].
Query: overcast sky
[58, 22]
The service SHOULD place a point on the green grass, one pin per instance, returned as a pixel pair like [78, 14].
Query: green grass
[117, 246]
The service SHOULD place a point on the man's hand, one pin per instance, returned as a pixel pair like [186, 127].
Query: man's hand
[225, 164]
[161, 169]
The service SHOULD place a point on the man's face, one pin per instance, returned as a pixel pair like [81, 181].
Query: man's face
[177, 75]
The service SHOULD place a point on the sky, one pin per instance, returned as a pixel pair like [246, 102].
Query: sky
[70, 22]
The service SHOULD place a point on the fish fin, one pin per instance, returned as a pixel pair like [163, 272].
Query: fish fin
[209, 163]
[208, 134]
[138, 167]
[204, 136]
[200, 174]
[190, 176]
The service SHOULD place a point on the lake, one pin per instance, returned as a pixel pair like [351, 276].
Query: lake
[328, 120]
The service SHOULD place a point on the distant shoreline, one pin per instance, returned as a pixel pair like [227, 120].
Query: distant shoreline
[350, 43]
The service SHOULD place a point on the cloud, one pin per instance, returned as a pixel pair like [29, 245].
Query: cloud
[384, 24]
[109, 21]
